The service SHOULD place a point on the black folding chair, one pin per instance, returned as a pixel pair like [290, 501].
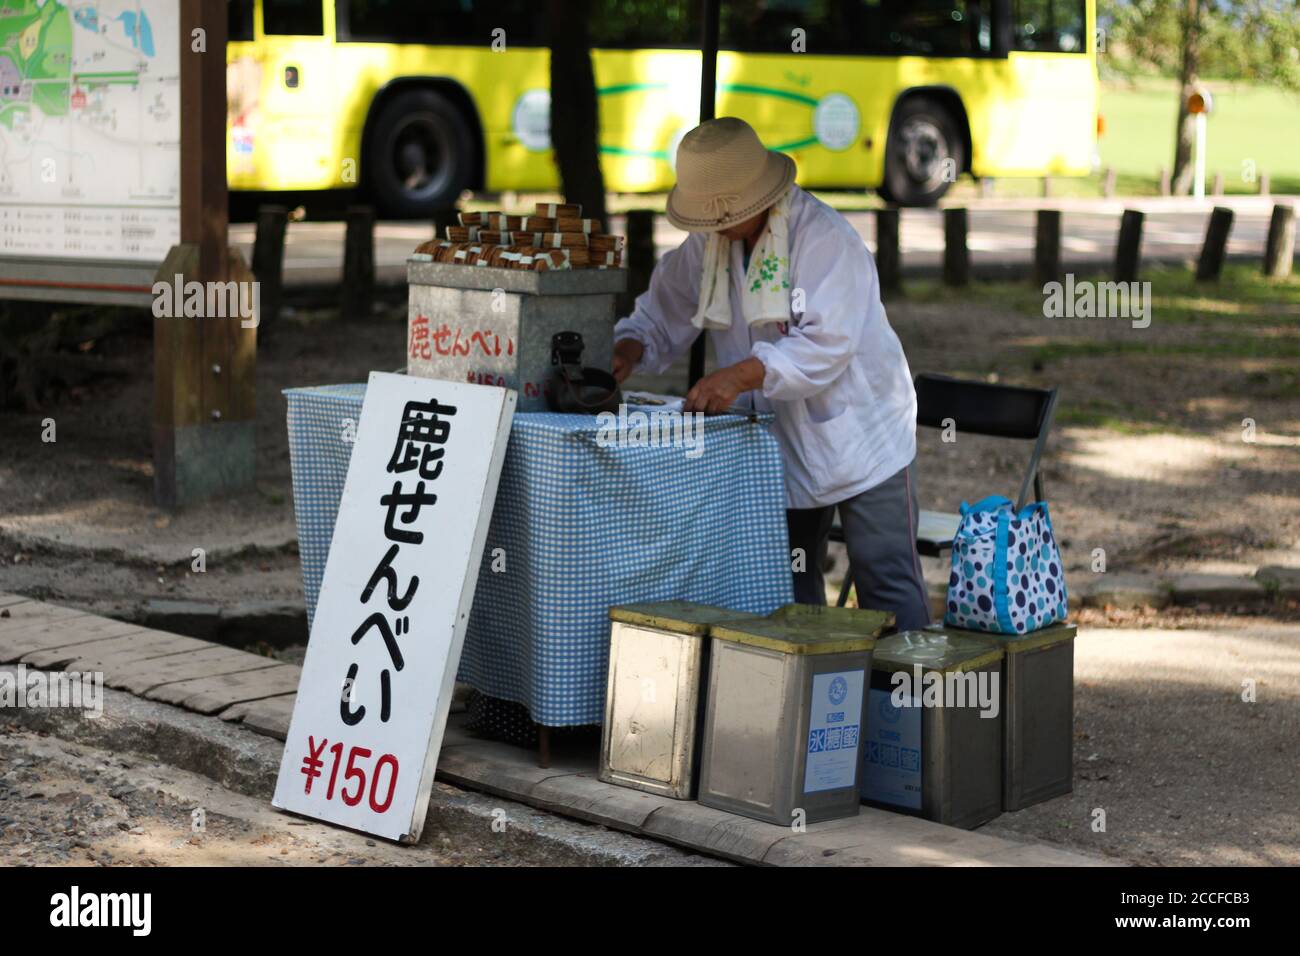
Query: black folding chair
[975, 408]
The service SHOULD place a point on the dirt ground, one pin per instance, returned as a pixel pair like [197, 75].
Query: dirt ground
[65, 804]
[1148, 460]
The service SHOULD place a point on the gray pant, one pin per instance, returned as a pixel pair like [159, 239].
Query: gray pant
[880, 532]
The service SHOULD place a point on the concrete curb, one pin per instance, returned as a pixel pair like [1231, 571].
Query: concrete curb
[248, 763]
[1269, 587]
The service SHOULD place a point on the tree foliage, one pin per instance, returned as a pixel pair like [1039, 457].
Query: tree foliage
[1256, 40]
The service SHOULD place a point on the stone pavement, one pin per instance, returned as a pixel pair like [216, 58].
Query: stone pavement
[259, 692]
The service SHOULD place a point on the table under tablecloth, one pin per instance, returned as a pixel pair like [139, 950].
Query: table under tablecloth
[579, 525]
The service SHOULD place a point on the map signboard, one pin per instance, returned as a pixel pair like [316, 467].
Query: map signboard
[90, 129]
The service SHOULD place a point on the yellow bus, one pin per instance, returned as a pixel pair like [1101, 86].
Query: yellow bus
[416, 100]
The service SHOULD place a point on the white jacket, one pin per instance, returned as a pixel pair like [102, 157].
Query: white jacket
[836, 379]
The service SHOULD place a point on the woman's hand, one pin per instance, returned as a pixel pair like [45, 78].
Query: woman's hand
[627, 355]
[718, 392]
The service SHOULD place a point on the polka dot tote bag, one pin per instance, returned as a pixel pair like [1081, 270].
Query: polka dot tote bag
[1006, 569]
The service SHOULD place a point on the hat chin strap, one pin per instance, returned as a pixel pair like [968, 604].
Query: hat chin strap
[718, 206]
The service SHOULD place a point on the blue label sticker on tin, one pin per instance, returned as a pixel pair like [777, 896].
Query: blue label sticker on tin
[833, 731]
[891, 752]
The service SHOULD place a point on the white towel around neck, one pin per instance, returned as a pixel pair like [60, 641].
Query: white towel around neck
[765, 293]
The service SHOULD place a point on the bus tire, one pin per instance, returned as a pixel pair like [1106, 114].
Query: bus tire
[420, 155]
[922, 136]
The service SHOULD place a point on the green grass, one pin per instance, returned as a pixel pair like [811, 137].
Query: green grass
[1234, 340]
[1250, 124]
[1242, 295]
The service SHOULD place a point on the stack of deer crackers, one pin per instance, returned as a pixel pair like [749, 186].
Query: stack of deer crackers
[554, 237]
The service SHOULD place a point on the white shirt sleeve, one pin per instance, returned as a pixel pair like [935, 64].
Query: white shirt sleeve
[836, 276]
[661, 319]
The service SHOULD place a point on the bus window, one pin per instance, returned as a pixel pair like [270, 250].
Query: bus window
[768, 26]
[885, 27]
[448, 22]
[617, 24]
[1049, 26]
[293, 18]
[930, 27]
[239, 20]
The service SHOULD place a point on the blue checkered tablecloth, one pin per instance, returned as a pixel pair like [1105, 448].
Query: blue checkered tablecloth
[581, 527]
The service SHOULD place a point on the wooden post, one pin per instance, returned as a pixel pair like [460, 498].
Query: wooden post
[358, 263]
[710, 29]
[1210, 264]
[1263, 184]
[1047, 247]
[1279, 251]
[268, 260]
[987, 187]
[640, 256]
[442, 218]
[1166, 183]
[956, 257]
[1128, 251]
[889, 257]
[1047, 187]
[1217, 188]
[1108, 183]
[205, 348]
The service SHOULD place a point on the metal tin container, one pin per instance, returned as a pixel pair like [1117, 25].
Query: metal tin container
[494, 326]
[1037, 712]
[935, 756]
[783, 720]
[654, 701]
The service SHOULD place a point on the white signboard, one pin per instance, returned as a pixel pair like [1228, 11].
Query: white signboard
[90, 128]
[394, 604]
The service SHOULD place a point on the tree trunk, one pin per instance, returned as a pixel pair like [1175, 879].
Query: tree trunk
[575, 117]
[1184, 167]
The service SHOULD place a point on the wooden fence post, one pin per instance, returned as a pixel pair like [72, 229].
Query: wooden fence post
[640, 257]
[1166, 182]
[358, 263]
[442, 218]
[268, 260]
[1217, 188]
[1047, 247]
[956, 255]
[1108, 183]
[1263, 184]
[1279, 251]
[1128, 251]
[1210, 264]
[889, 257]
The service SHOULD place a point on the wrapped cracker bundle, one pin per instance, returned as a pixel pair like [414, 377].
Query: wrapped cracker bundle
[549, 260]
[537, 224]
[566, 224]
[604, 243]
[473, 218]
[462, 233]
[526, 256]
[563, 240]
[604, 259]
[557, 210]
[519, 237]
[497, 256]
[431, 247]
[501, 221]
